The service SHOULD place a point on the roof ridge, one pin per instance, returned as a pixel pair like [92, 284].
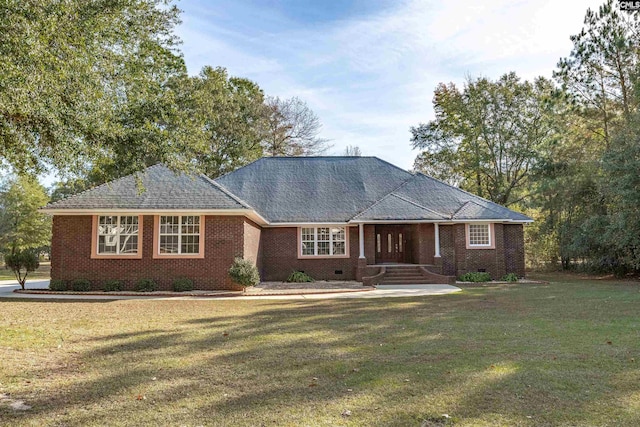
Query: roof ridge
[106, 184]
[477, 204]
[235, 170]
[470, 194]
[226, 191]
[394, 166]
[418, 205]
[383, 197]
[460, 208]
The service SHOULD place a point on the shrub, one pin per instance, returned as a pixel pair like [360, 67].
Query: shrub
[81, 285]
[475, 277]
[299, 277]
[182, 285]
[244, 273]
[112, 286]
[511, 277]
[146, 285]
[22, 263]
[57, 285]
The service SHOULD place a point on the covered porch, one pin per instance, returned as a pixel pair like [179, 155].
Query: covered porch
[403, 251]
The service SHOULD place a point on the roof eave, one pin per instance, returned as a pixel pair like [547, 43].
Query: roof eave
[249, 213]
[439, 221]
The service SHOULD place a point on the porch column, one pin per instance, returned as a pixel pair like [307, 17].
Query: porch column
[437, 234]
[361, 239]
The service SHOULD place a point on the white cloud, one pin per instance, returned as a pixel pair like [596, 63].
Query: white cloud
[372, 77]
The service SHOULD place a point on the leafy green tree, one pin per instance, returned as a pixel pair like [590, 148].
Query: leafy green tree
[601, 69]
[22, 227]
[616, 236]
[226, 118]
[81, 80]
[21, 263]
[583, 209]
[486, 137]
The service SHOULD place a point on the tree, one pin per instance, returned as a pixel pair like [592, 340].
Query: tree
[582, 188]
[81, 80]
[227, 118]
[22, 262]
[292, 129]
[487, 136]
[600, 71]
[22, 227]
[353, 150]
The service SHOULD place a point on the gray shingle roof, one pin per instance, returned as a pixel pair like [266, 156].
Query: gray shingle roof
[164, 189]
[395, 208]
[313, 189]
[453, 202]
[339, 189]
[299, 189]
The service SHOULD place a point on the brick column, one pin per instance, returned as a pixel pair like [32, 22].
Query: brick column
[362, 268]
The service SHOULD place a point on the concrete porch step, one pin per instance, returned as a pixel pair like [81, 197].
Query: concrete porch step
[403, 276]
[417, 281]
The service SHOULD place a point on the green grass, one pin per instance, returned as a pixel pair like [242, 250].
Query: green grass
[565, 353]
[43, 272]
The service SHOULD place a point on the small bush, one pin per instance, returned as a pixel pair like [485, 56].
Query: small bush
[81, 285]
[57, 285]
[182, 285]
[21, 263]
[511, 277]
[299, 277]
[475, 277]
[244, 273]
[146, 285]
[112, 286]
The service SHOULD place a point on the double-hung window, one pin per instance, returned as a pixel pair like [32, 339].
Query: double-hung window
[118, 235]
[479, 235]
[323, 241]
[179, 235]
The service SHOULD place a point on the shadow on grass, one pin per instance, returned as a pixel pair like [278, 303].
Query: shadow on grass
[491, 355]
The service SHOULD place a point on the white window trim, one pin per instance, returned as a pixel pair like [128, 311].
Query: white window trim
[331, 241]
[491, 231]
[95, 238]
[156, 250]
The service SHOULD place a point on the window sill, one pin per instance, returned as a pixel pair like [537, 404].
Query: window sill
[116, 256]
[323, 256]
[178, 256]
[481, 247]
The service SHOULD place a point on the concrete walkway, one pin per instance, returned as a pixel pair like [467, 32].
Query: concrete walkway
[383, 291]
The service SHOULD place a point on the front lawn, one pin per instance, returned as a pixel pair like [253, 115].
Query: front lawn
[565, 353]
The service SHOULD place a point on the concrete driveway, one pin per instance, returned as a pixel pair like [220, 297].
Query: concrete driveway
[383, 291]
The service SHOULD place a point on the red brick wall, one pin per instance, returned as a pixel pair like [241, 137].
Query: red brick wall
[273, 250]
[370, 243]
[423, 238]
[507, 257]
[514, 248]
[71, 255]
[448, 250]
[280, 257]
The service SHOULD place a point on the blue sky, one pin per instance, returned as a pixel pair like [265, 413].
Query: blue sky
[368, 68]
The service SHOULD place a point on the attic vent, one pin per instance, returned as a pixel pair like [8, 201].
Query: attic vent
[338, 272]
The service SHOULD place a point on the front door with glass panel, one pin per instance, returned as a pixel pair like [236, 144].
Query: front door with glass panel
[391, 242]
